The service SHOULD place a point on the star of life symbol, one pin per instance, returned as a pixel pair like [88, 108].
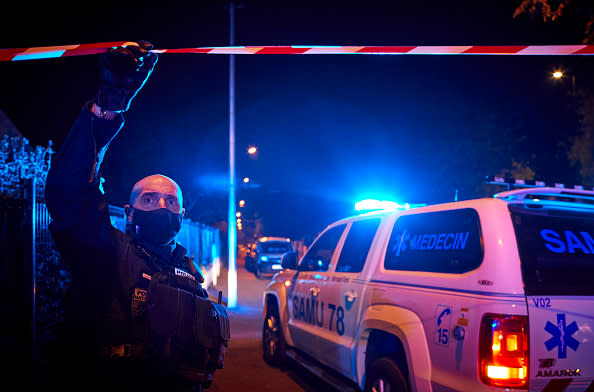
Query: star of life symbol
[561, 336]
[401, 245]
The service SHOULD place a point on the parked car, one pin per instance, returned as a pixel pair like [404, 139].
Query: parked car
[264, 259]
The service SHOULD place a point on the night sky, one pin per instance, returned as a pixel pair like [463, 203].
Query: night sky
[331, 129]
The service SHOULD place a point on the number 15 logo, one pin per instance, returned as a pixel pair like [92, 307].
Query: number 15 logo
[442, 325]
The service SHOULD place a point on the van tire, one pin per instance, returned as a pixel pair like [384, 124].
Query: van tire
[273, 342]
[384, 374]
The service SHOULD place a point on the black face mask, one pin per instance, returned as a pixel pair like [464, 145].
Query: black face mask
[157, 227]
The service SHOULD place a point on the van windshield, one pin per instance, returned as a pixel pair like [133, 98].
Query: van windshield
[275, 247]
[556, 250]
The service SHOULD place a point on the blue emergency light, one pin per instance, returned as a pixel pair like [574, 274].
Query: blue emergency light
[383, 205]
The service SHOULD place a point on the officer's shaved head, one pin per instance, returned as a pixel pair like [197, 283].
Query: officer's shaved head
[157, 191]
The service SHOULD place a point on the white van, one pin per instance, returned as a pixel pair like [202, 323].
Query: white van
[476, 295]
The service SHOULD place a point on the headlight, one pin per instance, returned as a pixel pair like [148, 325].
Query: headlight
[263, 258]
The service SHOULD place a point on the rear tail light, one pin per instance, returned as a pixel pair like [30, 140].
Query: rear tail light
[503, 351]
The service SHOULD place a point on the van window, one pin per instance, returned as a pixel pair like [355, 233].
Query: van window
[357, 244]
[556, 250]
[442, 241]
[319, 255]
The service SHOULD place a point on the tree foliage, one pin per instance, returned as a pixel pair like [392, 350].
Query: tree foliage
[552, 10]
[581, 150]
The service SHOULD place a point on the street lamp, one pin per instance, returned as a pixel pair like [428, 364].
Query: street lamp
[241, 203]
[558, 74]
[252, 150]
[246, 180]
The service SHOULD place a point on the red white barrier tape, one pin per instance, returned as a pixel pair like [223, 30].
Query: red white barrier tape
[83, 49]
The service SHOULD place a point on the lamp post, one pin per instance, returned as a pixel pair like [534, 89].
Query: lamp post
[231, 227]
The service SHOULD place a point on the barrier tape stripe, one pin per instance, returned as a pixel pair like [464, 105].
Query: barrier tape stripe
[43, 52]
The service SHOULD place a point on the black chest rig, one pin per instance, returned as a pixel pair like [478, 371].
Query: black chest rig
[184, 275]
[184, 330]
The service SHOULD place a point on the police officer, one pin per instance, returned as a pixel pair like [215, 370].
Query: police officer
[101, 344]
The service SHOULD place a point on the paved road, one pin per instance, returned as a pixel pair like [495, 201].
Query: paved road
[245, 370]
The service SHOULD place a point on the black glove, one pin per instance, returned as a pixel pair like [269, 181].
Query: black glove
[123, 71]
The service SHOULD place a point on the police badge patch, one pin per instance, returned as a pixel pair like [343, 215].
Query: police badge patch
[183, 273]
[138, 302]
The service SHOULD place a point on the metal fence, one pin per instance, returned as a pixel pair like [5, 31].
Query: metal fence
[43, 218]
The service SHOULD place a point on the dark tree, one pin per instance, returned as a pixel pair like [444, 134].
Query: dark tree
[552, 10]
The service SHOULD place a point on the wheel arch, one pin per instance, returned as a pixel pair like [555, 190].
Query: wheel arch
[402, 328]
[278, 296]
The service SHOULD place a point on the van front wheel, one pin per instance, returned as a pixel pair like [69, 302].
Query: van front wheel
[383, 375]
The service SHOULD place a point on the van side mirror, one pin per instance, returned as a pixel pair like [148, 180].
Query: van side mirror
[289, 260]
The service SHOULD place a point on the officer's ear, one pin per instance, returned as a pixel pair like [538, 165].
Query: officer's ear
[183, 211]
[129, 211]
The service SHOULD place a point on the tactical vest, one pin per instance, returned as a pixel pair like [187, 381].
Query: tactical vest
[175, 322]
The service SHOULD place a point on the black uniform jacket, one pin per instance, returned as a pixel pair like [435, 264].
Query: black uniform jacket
[109, 269]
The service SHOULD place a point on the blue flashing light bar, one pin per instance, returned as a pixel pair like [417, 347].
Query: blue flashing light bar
[383, 205]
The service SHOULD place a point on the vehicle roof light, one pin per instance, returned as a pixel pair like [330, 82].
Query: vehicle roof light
[522, 183]
[385, 205]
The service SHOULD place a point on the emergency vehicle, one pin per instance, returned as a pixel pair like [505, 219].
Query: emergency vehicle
[487, 294]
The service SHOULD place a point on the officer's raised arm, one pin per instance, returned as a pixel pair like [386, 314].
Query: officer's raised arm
[78, 210]
[122, 301]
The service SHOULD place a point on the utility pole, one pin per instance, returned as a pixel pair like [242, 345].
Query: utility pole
[232, 230]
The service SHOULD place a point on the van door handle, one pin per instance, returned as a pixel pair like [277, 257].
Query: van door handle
[314, 291]
[350, 296]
